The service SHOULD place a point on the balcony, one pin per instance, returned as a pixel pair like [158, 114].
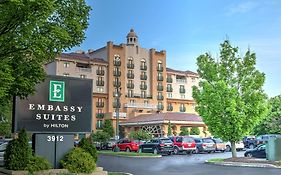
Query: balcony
[143, 87]
[160, 97]
[130, 95]
[181, 80]
[100, 104]
[117, 63]
[116, 83]
[182, 90]
[169, 80]
[83, 69]
[100, 72]
[116, 105]
[160, 87]
[170, 108]
[100, 115]
[99, 83]
[143, 77]
[117, 73]
[141, 105]
[182, 109]
[130, 76]
[169, 89]
[130, 66]
[160, 68]
[130, 86]
[160, 78]
[143, 67]
[160, 107]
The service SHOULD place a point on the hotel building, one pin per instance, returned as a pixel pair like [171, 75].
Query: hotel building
[135, 84]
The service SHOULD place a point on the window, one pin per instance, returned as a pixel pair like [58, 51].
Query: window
[66, 74]
[100, 89]
[100, 79]
[82, 76]
[130, 72]
[182, 96]
[99, 124]
[193, 80]
[143, 94]
[132, 101]
[170, 95]
[66, 64]
[130, 93]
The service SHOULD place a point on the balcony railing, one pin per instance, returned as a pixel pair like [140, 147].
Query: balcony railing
[160, 97]
[82, 69]
[99, 83]
[160, 87]
[100, 104]
[181, 80]
[160, 68]
[141, 105]
[117, 63]
[170, 108]
[130, 66]
[143, 67]
[100, 72]
[99, 126]
[169, 80]
[130, 76]
[143, 87]
[130, 86]
[182, 90]
[100, 115]
[169, 89]
[160, 78]
[117, 73]
[116, 83]
[143, 77]
[182, 109]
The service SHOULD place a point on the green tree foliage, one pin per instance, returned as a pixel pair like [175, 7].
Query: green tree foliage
[88, 147]
[140, 135]
[272, 123]
[100, 137]
[37, 163]
[108, 128]
[6, 119]
[18, 153]
[194, 131]
[169, 129]
[184, 131]
[78, 161]
[230, 97]
[32, 33]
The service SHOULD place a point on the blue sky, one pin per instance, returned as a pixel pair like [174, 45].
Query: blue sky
[188, 28]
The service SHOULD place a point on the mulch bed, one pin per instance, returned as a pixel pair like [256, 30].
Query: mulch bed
[252, 160]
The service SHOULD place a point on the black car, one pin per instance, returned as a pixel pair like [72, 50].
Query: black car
[258, 152]
[157, 146]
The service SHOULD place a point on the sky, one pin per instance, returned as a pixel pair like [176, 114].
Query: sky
[189, 28]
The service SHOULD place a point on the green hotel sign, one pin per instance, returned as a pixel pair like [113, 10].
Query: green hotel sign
[56, 91]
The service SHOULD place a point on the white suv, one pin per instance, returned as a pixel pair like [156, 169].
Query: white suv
[239, 146]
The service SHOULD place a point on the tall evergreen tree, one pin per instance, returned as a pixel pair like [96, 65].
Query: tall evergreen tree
[108, 128]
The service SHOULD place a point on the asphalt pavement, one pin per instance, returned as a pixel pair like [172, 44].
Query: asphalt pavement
[179, 165]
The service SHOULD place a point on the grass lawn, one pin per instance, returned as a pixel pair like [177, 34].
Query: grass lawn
[133, 154]
[112, 173]
[216, 160]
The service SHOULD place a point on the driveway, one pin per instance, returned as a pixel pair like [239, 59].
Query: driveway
[179, 165]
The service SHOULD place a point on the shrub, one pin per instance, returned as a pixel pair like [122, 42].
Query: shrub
[194, 131]
[88, 147]
[78, 161]
[38, 163]
[184, 131]
[18, 152]
[140, 135]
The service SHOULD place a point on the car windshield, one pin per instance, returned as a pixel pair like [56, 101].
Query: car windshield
[208, 141]
[187, 139]
[166, 141]
[218, 140]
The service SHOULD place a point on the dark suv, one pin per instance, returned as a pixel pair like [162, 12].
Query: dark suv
[157, 146]
[262, 139]
[183, 144]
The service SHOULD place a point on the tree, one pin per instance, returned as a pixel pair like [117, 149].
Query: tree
[169, 129]
[194, 131]
[184, 131]
[272, 123]
[230, 98]
[6, 119]
[140, 135]
[100, 138]
[108, 128]
[32, 33]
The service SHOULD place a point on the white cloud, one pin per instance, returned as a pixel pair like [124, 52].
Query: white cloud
[243, 7]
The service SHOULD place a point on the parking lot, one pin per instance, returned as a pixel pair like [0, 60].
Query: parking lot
[178, 164]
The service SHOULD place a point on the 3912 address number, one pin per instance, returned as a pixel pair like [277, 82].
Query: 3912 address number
[54, 138]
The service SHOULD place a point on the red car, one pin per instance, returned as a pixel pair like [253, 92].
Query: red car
[127, 145]
[183, 144]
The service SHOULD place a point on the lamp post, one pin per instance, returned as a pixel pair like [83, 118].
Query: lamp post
[117, 96]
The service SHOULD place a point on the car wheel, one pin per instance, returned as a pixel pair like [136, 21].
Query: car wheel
[139, 150]
[155, 151]
[176, 150]
[197, 151]
[249, 155]
[251, 146]
[228, 148]
[128, 149]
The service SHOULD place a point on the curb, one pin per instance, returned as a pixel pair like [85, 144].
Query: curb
[121, 172]
[240, 164]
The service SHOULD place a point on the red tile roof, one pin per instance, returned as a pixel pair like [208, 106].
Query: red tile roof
[161, 117]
